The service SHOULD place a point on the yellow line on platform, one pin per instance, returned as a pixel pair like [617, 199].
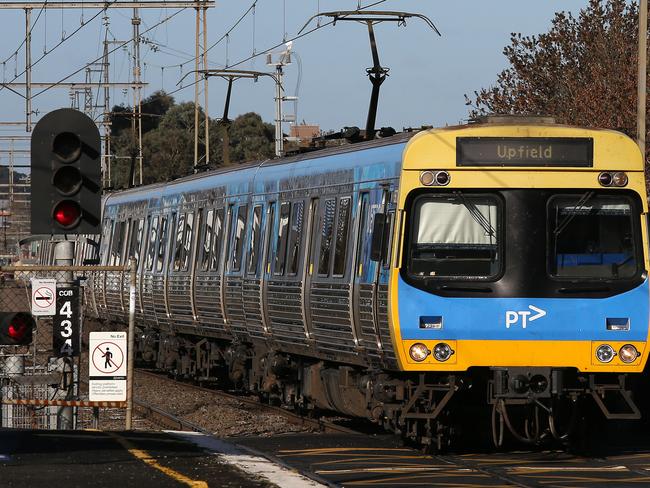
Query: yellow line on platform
[146, 458]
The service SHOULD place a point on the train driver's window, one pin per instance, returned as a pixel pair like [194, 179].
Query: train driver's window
[239, 233]
[295, 238]
[327, 231]
[187, 241]
[178, 247]
[162, 243]
[594, 238]
[253, 251]
[217, 233]
[281, 243]
[341, 242]
[207, 240]
[455, 236]
[153, 234]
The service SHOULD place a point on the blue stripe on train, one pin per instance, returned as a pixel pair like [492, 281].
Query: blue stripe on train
[560, 319]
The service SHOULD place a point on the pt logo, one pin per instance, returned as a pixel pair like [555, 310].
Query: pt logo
[513, 317]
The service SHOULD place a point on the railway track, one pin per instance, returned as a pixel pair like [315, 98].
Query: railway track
[342, 456]
[171, 421]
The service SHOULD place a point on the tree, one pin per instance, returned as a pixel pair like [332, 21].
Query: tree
[153, 108]
[168, 148]
[251, 138]
[582, 71]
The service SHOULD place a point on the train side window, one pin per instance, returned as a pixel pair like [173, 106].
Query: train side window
[135, 239]
[388, 238]
[239, 232]
[117, 243]
[153, 234]
[327, 231]
[341, 242]
[253, 252]
[281, 244]
[217, 237]
[107, 232]
[178, 247]
[162, 243]
[187, 240]
[207, 240]
[295, 238]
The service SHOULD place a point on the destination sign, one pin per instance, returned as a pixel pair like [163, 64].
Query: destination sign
[525, 151]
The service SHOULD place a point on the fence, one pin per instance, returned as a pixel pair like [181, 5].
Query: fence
[45, 384]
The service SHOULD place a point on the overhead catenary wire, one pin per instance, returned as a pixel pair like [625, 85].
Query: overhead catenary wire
[59, 44]
[119, 46]
[38, 16]
[276, 46]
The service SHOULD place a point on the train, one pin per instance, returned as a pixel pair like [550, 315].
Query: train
[501, 264]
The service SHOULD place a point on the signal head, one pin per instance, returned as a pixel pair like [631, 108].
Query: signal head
[16, 328]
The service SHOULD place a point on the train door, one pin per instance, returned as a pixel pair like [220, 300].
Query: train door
[330, 290]
[285, 287]
[252, 281]
[234, 267]
[148, 267]
[311, 241]
[267, 254]
[179, 299]
[159, 289]
[362, 294]
[381, 276]
[208, 279]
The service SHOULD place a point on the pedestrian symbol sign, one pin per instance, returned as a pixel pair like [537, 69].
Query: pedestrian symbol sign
[43, 297]
[107, 366]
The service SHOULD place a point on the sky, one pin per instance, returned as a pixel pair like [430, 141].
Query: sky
[429, 74]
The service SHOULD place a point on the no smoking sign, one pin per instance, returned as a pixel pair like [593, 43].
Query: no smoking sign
[43, 297]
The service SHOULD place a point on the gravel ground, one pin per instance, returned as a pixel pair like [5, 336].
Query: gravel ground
[224, 417]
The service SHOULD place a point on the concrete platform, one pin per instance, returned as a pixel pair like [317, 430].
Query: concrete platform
[53, 459]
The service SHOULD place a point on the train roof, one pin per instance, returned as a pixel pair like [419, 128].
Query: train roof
[371, 158]
[611, 150]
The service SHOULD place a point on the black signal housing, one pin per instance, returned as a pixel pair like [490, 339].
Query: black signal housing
[66, 174]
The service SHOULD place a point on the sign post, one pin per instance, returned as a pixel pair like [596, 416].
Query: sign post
[107, 366]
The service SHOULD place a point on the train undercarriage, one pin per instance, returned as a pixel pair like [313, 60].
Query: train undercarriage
[535, 406]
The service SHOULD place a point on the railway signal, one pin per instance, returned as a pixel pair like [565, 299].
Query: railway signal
[16, 328]
[66, 174]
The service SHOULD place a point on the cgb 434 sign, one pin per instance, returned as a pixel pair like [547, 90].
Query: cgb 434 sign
[66, 322]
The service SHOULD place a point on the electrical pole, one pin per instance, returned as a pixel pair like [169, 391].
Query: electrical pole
[642, 76]
[28, 70]
[136, 121]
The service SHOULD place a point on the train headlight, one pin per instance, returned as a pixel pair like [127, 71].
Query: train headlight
[427, 178]
[608, 178]
[628, 353]
[619, 179]
[418, 352]
[605, 353]
[442, 351]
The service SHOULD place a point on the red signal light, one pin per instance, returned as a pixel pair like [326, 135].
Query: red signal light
[17, 328]
[67, 213]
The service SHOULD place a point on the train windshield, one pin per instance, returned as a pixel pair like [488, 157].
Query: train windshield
[456, 235]
[592, 237]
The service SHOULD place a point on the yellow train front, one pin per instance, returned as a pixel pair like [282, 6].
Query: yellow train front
[520, 256]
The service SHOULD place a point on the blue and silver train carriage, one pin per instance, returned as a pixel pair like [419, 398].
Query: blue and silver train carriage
[382, 279]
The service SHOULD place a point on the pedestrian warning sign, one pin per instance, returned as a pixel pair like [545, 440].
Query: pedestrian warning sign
[43, 297]
[107, 366]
